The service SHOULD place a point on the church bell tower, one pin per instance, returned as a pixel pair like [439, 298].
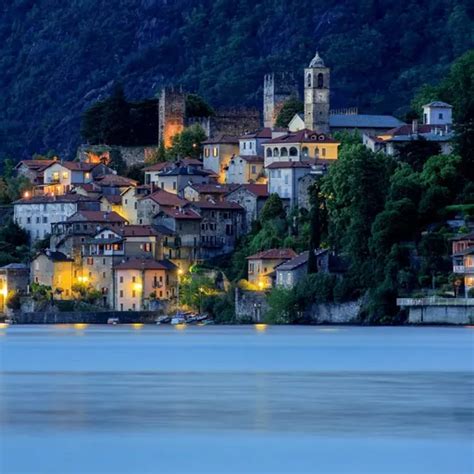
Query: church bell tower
[316, 95]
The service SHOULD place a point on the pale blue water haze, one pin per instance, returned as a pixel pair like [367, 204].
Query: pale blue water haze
[136, 399]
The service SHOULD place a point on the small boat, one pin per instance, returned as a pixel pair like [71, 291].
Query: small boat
[163, 320]
[113, 321]
[178, 318]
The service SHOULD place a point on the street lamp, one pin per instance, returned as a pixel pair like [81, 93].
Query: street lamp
[201, 291]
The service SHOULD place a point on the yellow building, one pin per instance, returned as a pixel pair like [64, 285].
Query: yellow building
[54, 269]
[303, 145]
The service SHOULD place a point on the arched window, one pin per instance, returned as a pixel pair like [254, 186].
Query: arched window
[276, 152]
[284, 152]
[308, 80]
[269, 152]
[293, 151]
[305, 151]
[320, 80]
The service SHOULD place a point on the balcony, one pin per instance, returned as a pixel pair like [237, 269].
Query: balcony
[463, 269]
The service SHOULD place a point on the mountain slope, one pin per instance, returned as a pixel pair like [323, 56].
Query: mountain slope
[59, 57]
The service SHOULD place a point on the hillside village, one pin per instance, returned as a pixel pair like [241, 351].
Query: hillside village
[174, 237]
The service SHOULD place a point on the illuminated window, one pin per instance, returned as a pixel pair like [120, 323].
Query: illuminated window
[56, 176]
[133, 293]
[88, 175]
[214, 151]
[65, 175]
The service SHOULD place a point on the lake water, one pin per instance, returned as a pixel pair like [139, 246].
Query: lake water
[160, 399]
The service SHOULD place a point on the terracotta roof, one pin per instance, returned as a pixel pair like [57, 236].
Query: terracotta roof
[35, 165]
[259, 190]
[251, 158]
[164, 198]
[262, 133]
[113, 198]
[408, 129]
[89, 187]
[184, 214]
[214, 188]
[77, 165]
[115, 180]
[160, 166]
[222, 139]
[138, 231]
[145, 264]
[289, 164]
[96, 216]
[209, 204]
[53, 199]
[302, 136]
[190, 162]
[274, 254]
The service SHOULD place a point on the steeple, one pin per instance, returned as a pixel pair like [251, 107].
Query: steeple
[317, 61]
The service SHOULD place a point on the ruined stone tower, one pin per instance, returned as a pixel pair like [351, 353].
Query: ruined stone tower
[277, 89]
[171, 114]
[316, 95]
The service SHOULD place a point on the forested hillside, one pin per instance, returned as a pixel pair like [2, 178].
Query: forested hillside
[59, 57]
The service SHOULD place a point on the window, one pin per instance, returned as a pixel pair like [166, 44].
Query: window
[308, 80]
[269, 152]
[254, 169]
[126, 201]
[90, 261]
[320, 80]
[56, 176]
[276, 152]
[174, 185]
[284, 151]
[121, 306]
[65, 175]
[293, 151]
[214, 151]
[45, 219]
[38, 220]
[147, 247]
[28, 220]
[440, 115]
[425, 118]
[206, 152]
[87, 175]
[133, 279]
[245, 145]
[121, 279]
[103, 274]
[133, 293]
[133, 306]
[323, 151]
[103, 261]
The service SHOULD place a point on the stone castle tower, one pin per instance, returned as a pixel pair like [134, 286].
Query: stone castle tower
[277, 89]
[316, 95]
[171, 114]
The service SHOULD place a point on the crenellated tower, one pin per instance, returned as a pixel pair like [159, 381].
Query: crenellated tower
[171, 114]
[277, 89]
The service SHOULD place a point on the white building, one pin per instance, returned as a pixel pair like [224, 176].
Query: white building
[283, 179]
[37, 214]
[59, 177]
[438, 113]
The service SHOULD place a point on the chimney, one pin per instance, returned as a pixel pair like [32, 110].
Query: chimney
[414, 127]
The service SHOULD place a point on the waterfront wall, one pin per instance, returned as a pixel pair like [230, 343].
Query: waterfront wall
[438, 310]
[332, 313]
[250, 305]
[90, 317]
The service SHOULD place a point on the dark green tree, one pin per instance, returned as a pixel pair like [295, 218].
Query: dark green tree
[291, 107]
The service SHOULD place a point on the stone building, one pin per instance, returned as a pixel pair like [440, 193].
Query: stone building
[252, 198]
[277, 89]
[218, 152]
[171, 114]
[54, 269]
[14, 278]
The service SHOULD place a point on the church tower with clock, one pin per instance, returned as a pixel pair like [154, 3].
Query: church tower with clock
[316, 95]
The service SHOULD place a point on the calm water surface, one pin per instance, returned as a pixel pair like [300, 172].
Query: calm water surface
[135, 399]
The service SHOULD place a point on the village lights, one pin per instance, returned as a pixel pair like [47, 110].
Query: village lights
[82, 279]
[137, 286]
[26, 194]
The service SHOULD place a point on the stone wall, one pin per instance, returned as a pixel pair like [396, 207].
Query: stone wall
[132, 155]
[340, 313]
[74, 317]
[250, 305]
[435, 310]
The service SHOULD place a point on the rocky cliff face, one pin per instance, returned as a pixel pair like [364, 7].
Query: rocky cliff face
[59, 57]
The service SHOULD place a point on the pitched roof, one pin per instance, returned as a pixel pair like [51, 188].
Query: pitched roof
[188, 161]
[35, 165]
[113, 198]
[159, 166]
[439, 103]
[222, 139]
[251, 158]
[363, 121]
[139, 231]
[274, 254]
[469, 236]
[115, 180]
[164, 198]
[407, 129]
[213, 188]
[258, 190]
[300, 259]
[15, 266]
[218, 205]
[96, 216]
[289, 164]
[48, 199]
[302, 136]
[184, 171]
[181, 213]
[145, 264]
[262, 133]
[77, 165]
